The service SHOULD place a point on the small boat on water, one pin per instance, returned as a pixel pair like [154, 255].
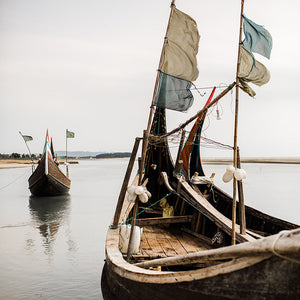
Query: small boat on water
[47, 179]
[175, 234]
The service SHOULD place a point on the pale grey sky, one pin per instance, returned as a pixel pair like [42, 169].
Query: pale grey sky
[90, 66]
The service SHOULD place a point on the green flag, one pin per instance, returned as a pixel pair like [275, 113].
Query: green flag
[70, 134]
[27, 138]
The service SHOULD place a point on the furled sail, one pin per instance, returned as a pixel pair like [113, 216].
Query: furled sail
[258, 40]
[252, 70]
[192, 163]
[179, 64]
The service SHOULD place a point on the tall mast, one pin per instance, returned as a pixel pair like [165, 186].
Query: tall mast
[236, 126]
[146, 134]
[159, 67]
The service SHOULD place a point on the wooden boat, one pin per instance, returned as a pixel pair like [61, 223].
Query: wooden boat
[174, 236]
[47, 179]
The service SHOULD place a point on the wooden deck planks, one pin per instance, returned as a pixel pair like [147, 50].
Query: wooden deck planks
[158, 241]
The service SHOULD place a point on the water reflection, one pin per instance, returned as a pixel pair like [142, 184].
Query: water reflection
[48, 215]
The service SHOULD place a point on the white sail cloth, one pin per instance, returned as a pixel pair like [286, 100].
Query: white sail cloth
[252, 71]
[181, 48]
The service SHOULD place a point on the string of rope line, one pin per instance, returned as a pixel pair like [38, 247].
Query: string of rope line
[280, 235]
[3, 187]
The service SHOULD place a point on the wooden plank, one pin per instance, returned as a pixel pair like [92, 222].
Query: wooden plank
[125, 182]
[201, 237]
[190, 245]
[163, 220]
[155, 247]
[167, 247]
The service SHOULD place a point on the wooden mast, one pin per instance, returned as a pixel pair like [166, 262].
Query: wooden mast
[147, 132]
[236, 127]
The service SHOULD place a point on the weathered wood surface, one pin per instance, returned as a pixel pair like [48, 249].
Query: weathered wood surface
[258, 282]
[53, 184]
[284, 244]
[221, 221]
[160, 242]
[163, 220]
[125, 182]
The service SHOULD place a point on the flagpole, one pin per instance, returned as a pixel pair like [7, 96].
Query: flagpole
[32, 164]
[236, 127]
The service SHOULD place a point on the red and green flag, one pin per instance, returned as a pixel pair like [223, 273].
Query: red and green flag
[70, 134]
[27, 138]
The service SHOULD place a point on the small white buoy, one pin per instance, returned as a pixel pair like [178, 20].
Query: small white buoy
[139, 190]
[230, 169]
[227, 177]
[143, 198]
[240, 174]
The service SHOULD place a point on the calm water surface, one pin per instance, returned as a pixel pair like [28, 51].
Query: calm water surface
[53, 248]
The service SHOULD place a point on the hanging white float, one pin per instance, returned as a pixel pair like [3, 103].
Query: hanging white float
[140, 191]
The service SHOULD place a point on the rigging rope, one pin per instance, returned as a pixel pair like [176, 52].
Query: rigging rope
[280, 235]
[3, 187]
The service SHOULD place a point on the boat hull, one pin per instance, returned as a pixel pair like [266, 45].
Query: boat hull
[51, 183]
[272, 278]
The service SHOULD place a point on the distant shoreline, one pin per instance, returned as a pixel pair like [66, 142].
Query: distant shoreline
[22, 163]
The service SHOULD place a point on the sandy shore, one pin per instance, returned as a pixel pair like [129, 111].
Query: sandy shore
[14, 163]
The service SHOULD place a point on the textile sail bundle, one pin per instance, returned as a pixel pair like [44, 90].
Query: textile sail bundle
[258, 40]
[174, 93]
[179, 64]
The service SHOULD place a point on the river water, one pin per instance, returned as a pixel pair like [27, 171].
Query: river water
[53, 248]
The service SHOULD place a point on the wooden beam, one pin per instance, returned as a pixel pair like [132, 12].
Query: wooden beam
[125, 182]
[163, 220]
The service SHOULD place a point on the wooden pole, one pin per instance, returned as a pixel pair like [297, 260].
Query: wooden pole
[180, 148]
[236, 127]
[203, 110]
[242, 214]
[67, 167]
[32, 164]
[142, 165]
[159, 67]
[125, 183]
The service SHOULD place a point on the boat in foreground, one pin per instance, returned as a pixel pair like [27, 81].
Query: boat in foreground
[174, 233]
[47, 179]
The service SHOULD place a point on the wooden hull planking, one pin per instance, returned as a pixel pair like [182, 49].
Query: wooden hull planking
[52, 184]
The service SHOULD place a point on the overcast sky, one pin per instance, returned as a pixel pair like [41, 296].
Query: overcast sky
[90, 66]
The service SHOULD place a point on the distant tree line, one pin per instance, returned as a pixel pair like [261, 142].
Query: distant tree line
[19, 156]
[114, 155]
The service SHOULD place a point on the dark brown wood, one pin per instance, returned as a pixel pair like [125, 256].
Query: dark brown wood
[180, 150]
[125, 182]
[48, 179]
[163, 220]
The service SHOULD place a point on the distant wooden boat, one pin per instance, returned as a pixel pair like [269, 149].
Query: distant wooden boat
[48, 179]
[174, 234]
